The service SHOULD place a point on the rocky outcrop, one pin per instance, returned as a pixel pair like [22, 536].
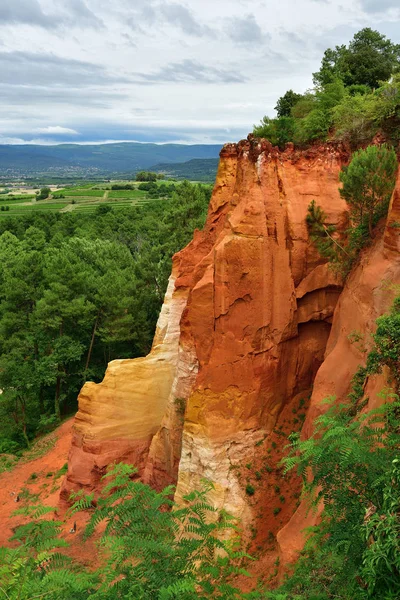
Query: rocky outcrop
[259, 314]
[118, 418]
[369, 293]
[254, 333]
[240, 339]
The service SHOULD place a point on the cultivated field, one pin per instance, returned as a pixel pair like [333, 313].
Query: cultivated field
[82, 199]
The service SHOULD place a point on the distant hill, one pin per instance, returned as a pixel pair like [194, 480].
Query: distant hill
[126, 157]
[197, 169]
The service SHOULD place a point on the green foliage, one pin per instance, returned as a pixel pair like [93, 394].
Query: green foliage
[369, 59]
[286, 103]
[356, 94]
[77, 292]
[387, 344]
[44, 193]
[368, 182]
[326, 240]
[277, 131]
[353, 462]
[148, 176]
[353, 459]
[151, 549]
[250, 490]
[353, 119]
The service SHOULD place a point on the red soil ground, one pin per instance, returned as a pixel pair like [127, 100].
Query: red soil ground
[37, 481]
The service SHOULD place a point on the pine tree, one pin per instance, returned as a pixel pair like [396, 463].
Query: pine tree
[368, 182]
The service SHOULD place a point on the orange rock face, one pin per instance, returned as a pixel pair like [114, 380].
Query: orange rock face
[242, 334]
[258, 314]
[369, 293]
[243, 338]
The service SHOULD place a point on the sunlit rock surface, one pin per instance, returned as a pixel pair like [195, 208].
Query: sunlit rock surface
[245, 333]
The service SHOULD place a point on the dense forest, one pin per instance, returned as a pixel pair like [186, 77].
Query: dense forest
[356, 94]
[77, 291]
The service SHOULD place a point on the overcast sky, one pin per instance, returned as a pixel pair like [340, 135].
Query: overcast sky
[164, 70]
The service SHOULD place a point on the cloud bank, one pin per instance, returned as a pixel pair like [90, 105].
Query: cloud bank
[164, 70]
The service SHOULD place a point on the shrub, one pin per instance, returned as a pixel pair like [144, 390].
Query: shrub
[277, 131]
[151, 548]
[250, 491]
[353, 119]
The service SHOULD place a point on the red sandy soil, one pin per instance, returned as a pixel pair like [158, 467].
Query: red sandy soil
[38, 478]
[276, 494]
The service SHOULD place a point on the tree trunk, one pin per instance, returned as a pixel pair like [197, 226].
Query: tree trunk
[57, 398]
[334, 241]
[25, 435]
[160, 296]
[89, 356]
[58, 386]
[371, 233]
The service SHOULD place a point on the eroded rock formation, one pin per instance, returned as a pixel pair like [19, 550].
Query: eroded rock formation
[369, 292]
[245, 328]
[243, 331]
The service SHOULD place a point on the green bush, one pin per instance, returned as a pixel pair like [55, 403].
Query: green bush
[250, 490]
[277, 131]
[368, 182]
[151, 549]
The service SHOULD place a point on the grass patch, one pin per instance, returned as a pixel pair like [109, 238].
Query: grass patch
[7, 462]
[61, 472]
[40, 447]
[126, 194]
[81, 192]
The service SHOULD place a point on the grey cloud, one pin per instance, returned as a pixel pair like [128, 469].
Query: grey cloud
[170, 13]
[378, 6]
[193, 72]
[24, 11]
[73, 12]
[246, 30]
[24, 96]
[79, 10]
[180, 16]
[28, 68]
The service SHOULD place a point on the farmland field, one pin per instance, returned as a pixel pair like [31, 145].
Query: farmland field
[80, 192]
[127, 194]
[84, 198]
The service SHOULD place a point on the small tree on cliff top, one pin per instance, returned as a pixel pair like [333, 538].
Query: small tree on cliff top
[368, 182]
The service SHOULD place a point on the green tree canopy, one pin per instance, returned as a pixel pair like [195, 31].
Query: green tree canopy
[368, 182]
[369, 59]
[286, 102]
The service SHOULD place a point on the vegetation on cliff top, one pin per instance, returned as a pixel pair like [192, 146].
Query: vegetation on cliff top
[356, 94]
[368, 183]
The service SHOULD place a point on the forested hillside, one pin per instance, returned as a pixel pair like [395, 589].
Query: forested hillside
[76, 292]
[194, 170]
[127, 157]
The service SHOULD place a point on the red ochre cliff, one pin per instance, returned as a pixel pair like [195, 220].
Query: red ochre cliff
[244, 330]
